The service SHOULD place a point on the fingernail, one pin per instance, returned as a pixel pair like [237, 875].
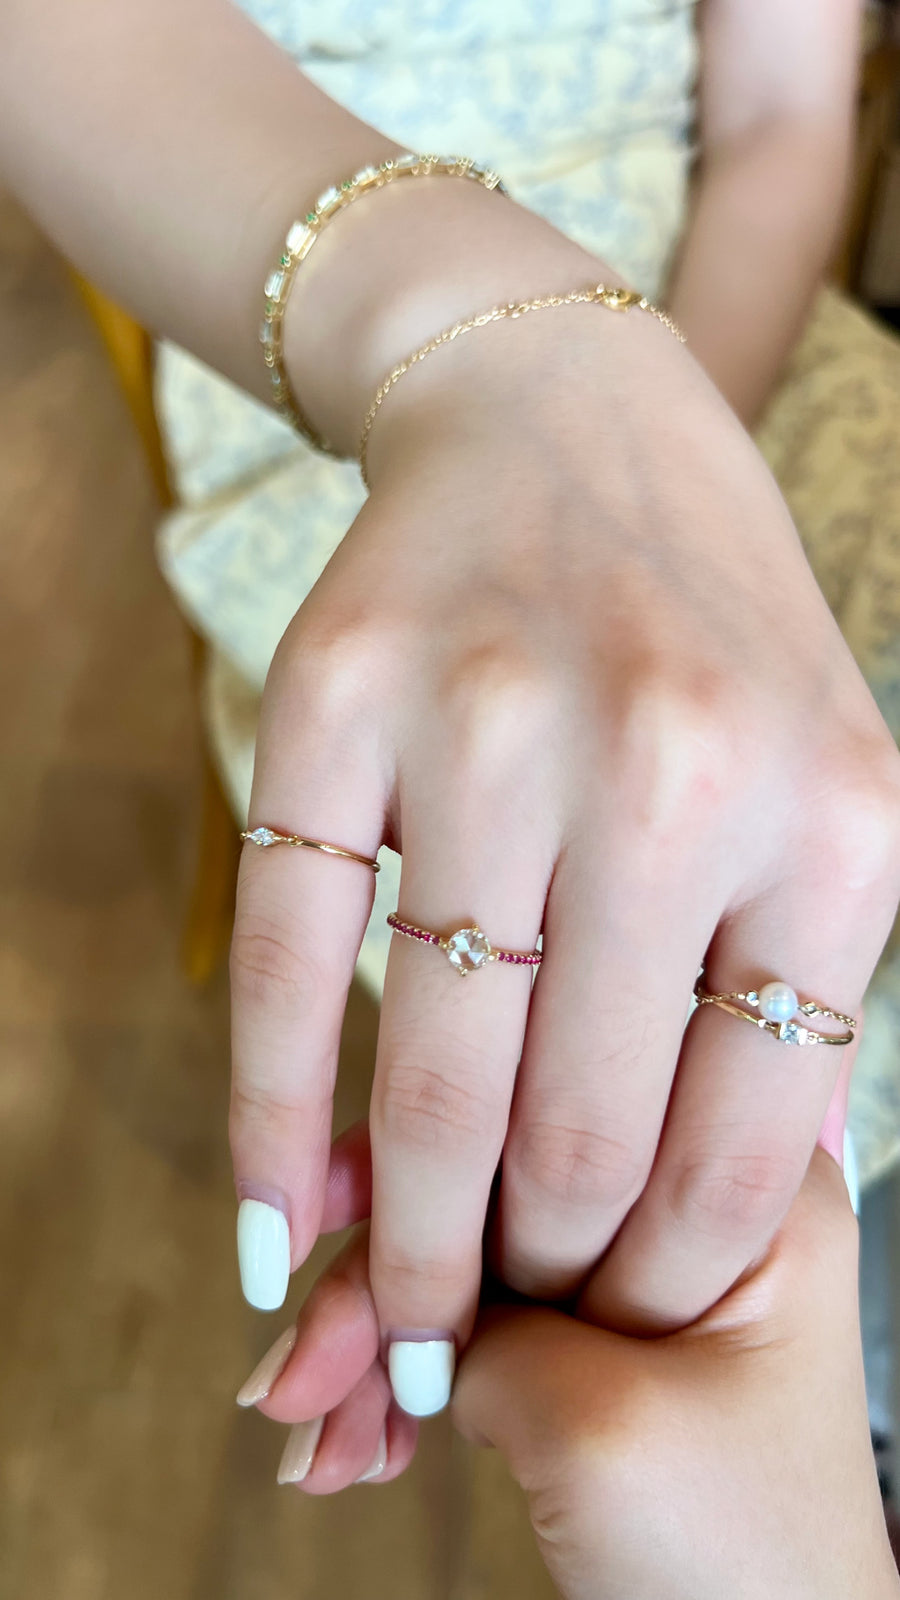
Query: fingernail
[421, 1372]
[264, 1254]
[300, 1450]
[851, 1170]
[379, 1461]
[270, 1367]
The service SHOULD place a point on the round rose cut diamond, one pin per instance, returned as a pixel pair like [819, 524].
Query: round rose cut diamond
[468, 949]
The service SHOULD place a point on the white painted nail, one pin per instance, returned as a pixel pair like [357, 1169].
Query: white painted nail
[421, 1374]
[379, 1461]
[300, 1450]
[264, 1254]
[269, 1368]
[851, 1169]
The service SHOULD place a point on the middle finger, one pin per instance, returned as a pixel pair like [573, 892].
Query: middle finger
[448, 1048]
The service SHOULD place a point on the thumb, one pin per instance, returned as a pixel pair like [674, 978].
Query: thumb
[531, 1383]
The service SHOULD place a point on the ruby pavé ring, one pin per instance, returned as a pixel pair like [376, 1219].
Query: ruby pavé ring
[468, 948]
[779, 1007]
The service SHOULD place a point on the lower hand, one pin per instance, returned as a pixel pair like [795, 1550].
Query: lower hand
[730, 1458]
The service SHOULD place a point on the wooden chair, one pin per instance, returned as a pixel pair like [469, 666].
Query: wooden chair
[207, 928]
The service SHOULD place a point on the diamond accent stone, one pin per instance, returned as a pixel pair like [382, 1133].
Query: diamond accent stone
[468, 949]
[792, 1033]
[274, 285]
[263, 836]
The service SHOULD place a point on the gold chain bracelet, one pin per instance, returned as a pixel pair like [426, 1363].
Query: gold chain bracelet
[600, 294]
[303, 234]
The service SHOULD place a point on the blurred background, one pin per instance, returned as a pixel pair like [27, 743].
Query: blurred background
[125, 1468]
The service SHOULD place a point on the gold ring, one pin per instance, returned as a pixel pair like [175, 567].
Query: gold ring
[778, 1006]
[265, 837]
[467, 948]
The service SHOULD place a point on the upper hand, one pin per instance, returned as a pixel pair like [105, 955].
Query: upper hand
[571, 661]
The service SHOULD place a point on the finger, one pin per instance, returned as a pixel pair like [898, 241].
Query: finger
[833, 1132]
[745, 1112]
[348, 1191]
[604, 1032]
[448, 1047]
[354, 1438]
[336, 1343]
[527, 1384]
[299, 922]
[545, 1389]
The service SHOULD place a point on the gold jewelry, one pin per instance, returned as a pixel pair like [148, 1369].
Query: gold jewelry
[303, 234]
[265, 837]
[601, 294]
[778, 1004]
[467, 948]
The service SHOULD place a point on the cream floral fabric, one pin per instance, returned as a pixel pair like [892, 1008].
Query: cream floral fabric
[585, 107]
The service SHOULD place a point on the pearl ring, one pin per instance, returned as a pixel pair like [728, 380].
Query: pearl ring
[779, 1006]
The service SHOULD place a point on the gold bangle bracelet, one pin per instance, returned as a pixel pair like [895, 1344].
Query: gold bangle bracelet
[600, 294]
[301, 237]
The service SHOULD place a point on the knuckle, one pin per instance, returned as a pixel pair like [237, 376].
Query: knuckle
[272, 969]
[413, 1277]
[335, 666]
[428, 1109]
[675, 754]
[857, 833]
[261, 1109]
[742, 1194]
[573, 1166]
[496, 700]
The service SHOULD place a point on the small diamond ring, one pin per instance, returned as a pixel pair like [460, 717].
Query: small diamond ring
[468, 948]
[265, 837]
[779, 1006]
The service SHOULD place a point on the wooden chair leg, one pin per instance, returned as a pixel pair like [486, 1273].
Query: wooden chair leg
[207, 932]
[208, 928]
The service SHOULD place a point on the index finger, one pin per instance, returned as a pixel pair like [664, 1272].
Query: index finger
[300, 919]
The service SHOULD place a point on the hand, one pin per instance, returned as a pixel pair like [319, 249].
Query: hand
[731, 1458]
[571, 661]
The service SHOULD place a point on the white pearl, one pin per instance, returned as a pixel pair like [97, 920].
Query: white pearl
[777, 1002]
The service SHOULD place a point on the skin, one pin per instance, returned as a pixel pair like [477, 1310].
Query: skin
[570, 659]
[730, 1458]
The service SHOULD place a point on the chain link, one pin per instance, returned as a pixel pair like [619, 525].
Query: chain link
[615, 299]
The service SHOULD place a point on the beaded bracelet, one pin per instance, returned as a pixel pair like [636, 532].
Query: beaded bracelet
[303, 234]
[615, 298]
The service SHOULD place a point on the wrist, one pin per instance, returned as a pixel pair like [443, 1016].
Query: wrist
[395, 269]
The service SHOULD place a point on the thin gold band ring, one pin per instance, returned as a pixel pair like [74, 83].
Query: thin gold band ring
[266, 837]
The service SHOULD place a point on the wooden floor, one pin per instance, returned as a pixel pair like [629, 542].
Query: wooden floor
[126, 1471]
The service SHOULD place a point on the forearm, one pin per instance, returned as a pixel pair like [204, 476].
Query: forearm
[165, 148]
[761, 229]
